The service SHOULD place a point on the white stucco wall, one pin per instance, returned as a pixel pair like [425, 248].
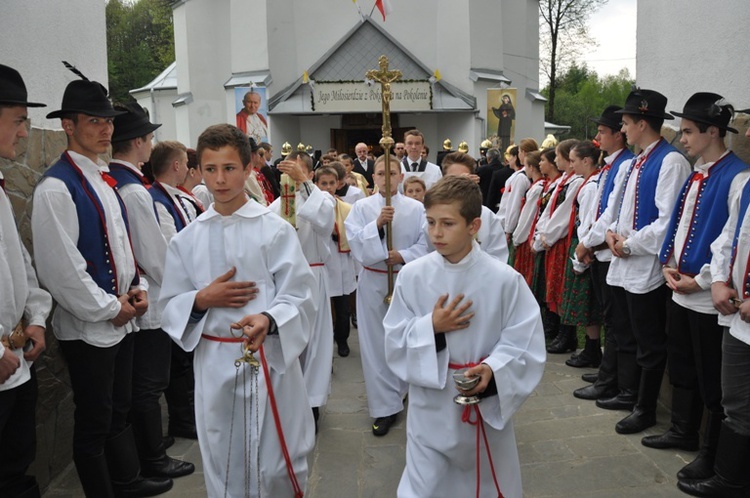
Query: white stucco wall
[35, 35]
[694, 46]
[160, 110]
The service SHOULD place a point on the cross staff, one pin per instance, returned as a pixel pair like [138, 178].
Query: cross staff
[385, 78]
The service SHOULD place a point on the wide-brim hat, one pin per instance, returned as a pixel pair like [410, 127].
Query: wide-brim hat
[85, 97]
[647, 103]
[609, 118]
[13, 89]
[132, 124]
[707, 108]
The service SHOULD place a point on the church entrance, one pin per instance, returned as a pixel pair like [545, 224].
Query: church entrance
[363, 127]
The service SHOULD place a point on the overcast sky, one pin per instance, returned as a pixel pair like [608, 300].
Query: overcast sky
[613, 27]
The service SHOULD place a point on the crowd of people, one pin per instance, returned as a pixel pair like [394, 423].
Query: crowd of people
[224, 280]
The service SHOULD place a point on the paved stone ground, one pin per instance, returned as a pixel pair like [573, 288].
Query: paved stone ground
[568, 447]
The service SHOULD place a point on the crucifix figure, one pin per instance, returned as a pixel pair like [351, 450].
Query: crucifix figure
[385, 78]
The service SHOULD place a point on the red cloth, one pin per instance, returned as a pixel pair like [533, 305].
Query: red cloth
[554, 267]
[524, 262]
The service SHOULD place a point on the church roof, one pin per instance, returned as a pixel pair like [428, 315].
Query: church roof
[167, 80]
[356, 53]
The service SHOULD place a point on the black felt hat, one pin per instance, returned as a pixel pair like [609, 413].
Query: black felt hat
[133, 124]
[708, 108]
[610, 118]
[85, 97]
[648, 103]
[253, 144]
[13, 90]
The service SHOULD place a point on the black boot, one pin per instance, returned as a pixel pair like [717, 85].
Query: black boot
[565, 342]
[153, 455]
[731, 479]
[605, 380]
[590, 357]
[125, 470]
[703, 465]
[551, 324]
[643, 415]
[687, 412]
[94, 476]
[628, 379]
[180, 395]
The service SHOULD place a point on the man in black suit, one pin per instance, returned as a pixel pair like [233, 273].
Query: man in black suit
[486, 171]
[362, 164]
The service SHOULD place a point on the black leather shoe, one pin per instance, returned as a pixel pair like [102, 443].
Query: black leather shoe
[594, 392]
[382, 425]
[143, 487]
[671, 439]
[699, 469]
[166, 467]
[623, 401]
[638, 421]
[590, 377]
[344, 350]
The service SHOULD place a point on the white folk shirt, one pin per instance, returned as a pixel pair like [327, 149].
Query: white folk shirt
[20, 295]
[515, 189]
[203, 195]
[149, 244]
[598, 231]
[721, 250]
[501, 207]
[264, 249]
[700, 301]
[553, 227]
[587, 202]
[385, 391]
[431, 174]
[85, 309]
[529, 213]
[506, 334]
[641, 272]
[315, 221]
[353, 194]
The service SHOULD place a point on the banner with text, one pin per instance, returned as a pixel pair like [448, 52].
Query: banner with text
[341, 96]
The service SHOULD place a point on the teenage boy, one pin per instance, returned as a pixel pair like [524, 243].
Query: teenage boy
[730, 290]
[650, 187]
[413, 164]
[315, 221]
[366, 231]
[131, 145]
[239, 269]
[340, 272]
[694, 335]
[454, 308]
[591, 248]
[490, 235]
[85, 259]
[23, 312]
[347, 193]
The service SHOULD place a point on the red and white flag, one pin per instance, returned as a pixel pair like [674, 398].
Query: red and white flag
[384, 6]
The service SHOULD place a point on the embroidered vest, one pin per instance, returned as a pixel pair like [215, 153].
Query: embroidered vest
[93, 242]
[609, 180]
[708, 218]
[125, 176]
[160, 195]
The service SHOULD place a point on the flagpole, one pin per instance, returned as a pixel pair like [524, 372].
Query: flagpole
[373, 7]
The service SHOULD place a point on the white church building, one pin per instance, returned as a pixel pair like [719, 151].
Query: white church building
[308, 59]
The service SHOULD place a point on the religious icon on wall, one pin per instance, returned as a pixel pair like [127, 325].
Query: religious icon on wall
[501, 117]
[252, 111]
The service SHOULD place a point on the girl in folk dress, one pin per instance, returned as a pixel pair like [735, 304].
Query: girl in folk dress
[524, 262]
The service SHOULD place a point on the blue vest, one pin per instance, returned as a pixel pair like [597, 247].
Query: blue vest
[609, 181]
[160, 195]
[744, 204]
[126, 176]
[93, 243]
[710, 215]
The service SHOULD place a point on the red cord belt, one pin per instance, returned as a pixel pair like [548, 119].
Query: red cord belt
[277, 420]
[479, 423]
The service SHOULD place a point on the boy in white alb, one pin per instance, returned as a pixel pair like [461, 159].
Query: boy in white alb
[239, 269]
[315, 220]
[459, 307]
[365, 228]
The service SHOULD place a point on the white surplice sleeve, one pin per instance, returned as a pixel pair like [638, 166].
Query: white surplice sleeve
[318, 210]
[61, 267]
[364, 240]
[494, 243]
[518, 358]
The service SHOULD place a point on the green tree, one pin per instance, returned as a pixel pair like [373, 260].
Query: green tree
[564, 34]
[140, 43]
[582, 94]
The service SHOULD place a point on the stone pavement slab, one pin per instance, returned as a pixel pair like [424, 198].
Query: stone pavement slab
[567, 447]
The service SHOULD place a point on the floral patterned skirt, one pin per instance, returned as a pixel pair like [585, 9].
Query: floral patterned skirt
[554, 267]
[524, 263]
[579, 305]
